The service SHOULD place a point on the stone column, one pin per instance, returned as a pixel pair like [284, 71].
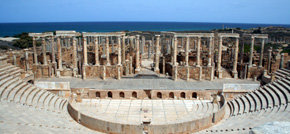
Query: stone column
[242, 52]
[251, 52]
[269, 60]
[175, 59]
[44, 51]
[131, 65]
[52, 50]
[26, 61]
[210, 51]
[137, 54]
[219, 68]
[186, 51]
[186, 57]
[74, 56]
[149, 51]
[108, 52]
[14, 60]
[59, 55]
[85, 51]
[262, 53]
[119, 58]
[34, 51]
[157, 54]
[198, 51]
[143, 44]
[119, 51]
[281, 61]
[175, 52]
[96, 43]
[235, 73]
[53, 67]
[123, 50]
[163, 66]
[112, 42]
[104, 72]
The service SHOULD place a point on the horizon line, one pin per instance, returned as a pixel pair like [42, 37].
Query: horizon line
[139, 22]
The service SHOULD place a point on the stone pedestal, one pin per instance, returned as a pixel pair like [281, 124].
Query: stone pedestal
[119, 72]
[104, 72]
[175, 73]
[187, 73]
[84, 72]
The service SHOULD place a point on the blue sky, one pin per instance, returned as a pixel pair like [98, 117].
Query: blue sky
[232, 11]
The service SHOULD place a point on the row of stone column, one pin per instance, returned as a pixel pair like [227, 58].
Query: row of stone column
[252, 52]
[235, 62]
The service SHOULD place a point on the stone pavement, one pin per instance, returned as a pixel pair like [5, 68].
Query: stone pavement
[154, 84]
[156, 111]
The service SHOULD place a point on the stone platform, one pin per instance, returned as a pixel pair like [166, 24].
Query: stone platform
[153, 111]
[155, 84]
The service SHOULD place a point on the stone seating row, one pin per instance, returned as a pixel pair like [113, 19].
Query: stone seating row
[265, 104]
[274, 94]
[13, 88]
[19, 118]
[245, 122]
[25, 108]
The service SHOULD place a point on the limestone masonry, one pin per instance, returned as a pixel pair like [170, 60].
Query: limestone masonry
[144, 82]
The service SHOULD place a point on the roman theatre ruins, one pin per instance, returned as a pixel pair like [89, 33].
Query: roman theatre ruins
[143, 82]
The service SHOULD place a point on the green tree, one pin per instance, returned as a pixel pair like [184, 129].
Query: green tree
[24, 41]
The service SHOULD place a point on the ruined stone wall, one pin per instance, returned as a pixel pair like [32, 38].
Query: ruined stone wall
[151, 94]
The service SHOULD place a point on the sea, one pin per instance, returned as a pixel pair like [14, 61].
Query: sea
[11, 29]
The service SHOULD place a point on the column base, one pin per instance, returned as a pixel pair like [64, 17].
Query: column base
[119, 72]
[174, 73]
[157, 70]
[235, 74]
[187, 73]
[75, 70]
[137, 70]
[58, 73]
[104, 73]
[200, 73]
[220, 74]
[84, 72]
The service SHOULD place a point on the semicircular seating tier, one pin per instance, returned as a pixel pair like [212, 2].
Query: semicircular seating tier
[25, 108]
[268, 103]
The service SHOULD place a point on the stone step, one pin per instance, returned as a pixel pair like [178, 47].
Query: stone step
[252, 103]
[16, 97]
[261, 101]
[274, 97]
[283, 90]
[6, 84]
[5, 93]
[279, 75]
[241, 105]
[8, 70]
[280, 94]
[25, 97]
[4, 67]
[39, 97]
[247, 104]
[47, 101]
[283, 72]
[270, 101]
[12, 93]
